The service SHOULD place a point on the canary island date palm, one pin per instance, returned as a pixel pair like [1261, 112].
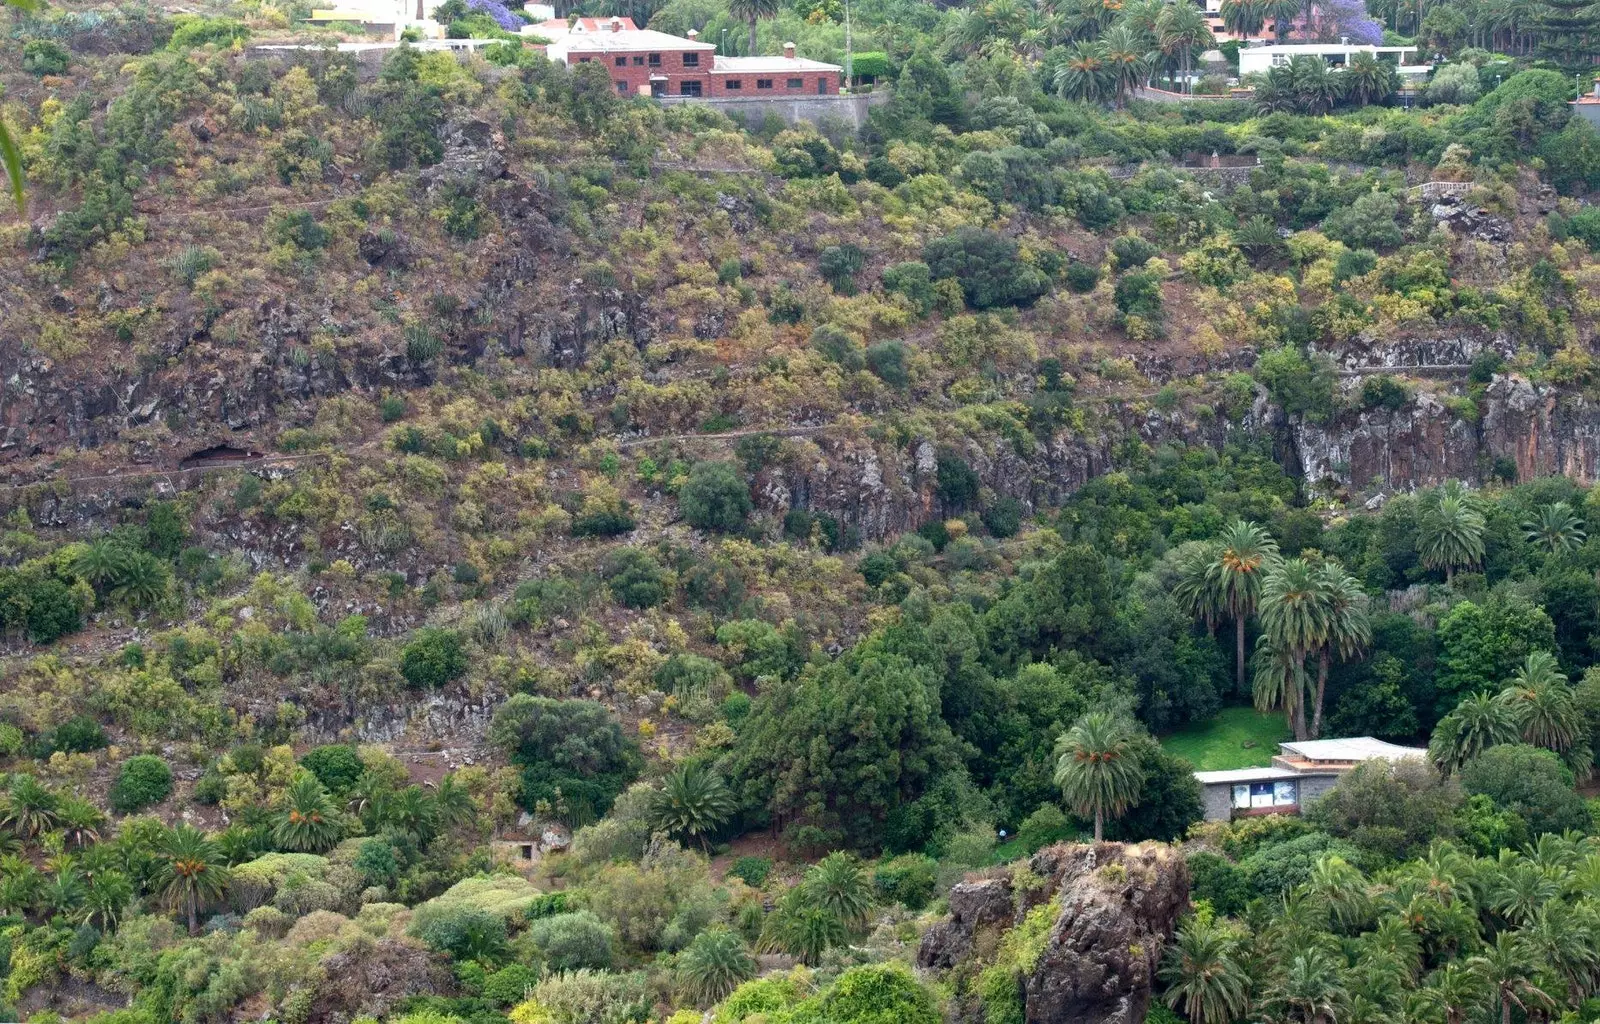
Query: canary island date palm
[1097, 768]
[1295, 614]
[1450, 535]
[713, 965]
[190, 873]
[1247, 553]
[1182, 28]
[1202, 972]
[693, 802]
[308, 822]
[1556, 528]
[750, 12]
[1244, 18]
[1479, 722]
[1544, 705]
[1348, 631]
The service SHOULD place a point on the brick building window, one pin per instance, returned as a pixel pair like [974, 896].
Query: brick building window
[688, 88]
[763, 83]
[638, 60]
[691, 60]
[797, 83]
[622, 88]
[622, 62]
[583, 60]
[655, 60]
[733, 85]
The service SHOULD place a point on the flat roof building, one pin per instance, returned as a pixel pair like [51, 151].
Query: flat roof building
[1301, 771]
[1256, 59]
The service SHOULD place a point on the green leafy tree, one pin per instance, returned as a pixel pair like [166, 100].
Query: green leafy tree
[1097, 769]
[189, 872]
[142, 780]
[715, 497]
[1531, 783]
[434, 657]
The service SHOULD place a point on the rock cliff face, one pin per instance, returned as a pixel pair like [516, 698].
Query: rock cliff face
[1117, 907]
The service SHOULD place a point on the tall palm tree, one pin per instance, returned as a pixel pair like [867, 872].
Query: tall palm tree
[1097, 768]
[1367, 79]
[1198, 589]
[752, 11]
[1128, 59]
[1279, 680]
[190, 873]
[1317, 88]
[1202, 972]
[1454, 991]
[1084, 75]
[693, 801]
[1479, 722]
[1506, 968]
[1450, 535]
[1544, 705]
[1349, 629]
[1556, 528]
[1294, 612]
[452, 804]
[1248, 552]
[1342, 888]
[1244, 18]
[1282, 13]
[1181, 27]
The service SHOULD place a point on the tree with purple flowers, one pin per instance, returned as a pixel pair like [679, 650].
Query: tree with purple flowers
[1333, 21]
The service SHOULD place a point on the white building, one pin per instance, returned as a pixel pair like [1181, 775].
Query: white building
[1254, 59]
[1301, 771]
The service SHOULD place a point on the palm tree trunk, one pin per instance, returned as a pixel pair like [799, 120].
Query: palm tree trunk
[1322, 685]
[1099, 820]
[194, 918]
[1238, 652]
[1449, 574]
[1299, 706]
[751, 52]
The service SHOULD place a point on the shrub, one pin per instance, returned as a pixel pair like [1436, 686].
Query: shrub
[77, 735]
[1530, 782]
[753, 870]
[957, 482]
[142, 780]
[987, 267]
[914, 281]
[834, 345]
[464, 932]
[1049, 824]
[337, 766]
[45, 57]
[1217, 880]
[1003, 516]
[839, 265]
[636, 578]
[1082, 277]
[715, 497]
[887, 359]
[433, 658]
[908, 879]
[1367, 223]
[1130, 252]
[568, 942]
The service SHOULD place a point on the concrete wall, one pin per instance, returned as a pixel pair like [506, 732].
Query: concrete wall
[1217, 800]
[792, 109]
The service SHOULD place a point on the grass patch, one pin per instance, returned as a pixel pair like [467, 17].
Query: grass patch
[1235, 738]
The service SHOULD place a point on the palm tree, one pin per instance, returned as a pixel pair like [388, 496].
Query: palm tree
[1198, 588]
[1282, 13]
[189, 873]
[1317, 88]
[1257, 237]
[1295, 614]
[105, 899]
[1479, 722]
[1520, 890]
[1182, 27]
[144, 581]
[692, 801]
[1084, 75]
[1279, 680]
[1248, 553]
[1561, 939]
[1097, 768]
[1367, 79]
[1507, 969]
[1454, 991]
[1349, 630]
[10, 157]
[308, 822]
[799, 927]
[101, 563]
[1309, 988]
[838, 885]
[1450, 535]
[1244, 18]
[1128, 59]
[713, 965]
[1556, 528]
[1202, 973]
[31, 808]
[452, 804]
[1543, 703]
[753, 11]
[1342, 888]
[80, 822]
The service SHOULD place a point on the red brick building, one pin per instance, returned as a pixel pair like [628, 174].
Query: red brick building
[647, 63]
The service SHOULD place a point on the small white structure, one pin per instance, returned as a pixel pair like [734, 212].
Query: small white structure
[540, 12]
[1254, 59]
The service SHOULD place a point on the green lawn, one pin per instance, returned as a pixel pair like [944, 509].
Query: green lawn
[1236, 738]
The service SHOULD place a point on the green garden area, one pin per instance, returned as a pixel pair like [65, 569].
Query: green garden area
[1235, 738]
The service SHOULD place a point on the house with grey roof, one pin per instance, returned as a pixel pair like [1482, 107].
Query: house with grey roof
[1301, 771]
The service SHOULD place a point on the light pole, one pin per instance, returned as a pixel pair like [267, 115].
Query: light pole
[722, 48]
